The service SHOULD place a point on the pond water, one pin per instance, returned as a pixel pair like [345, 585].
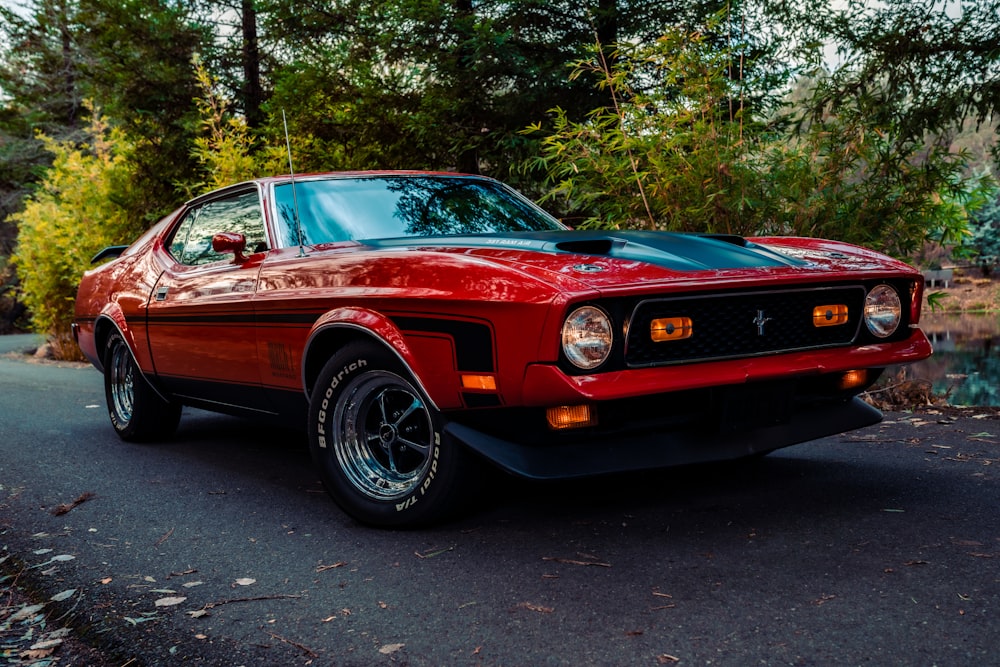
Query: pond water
[966, 360]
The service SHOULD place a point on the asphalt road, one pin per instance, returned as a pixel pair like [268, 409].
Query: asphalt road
[219, 547]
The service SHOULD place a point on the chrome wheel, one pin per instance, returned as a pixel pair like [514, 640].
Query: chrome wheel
[383, 435]
[121, 376]
[137, 412]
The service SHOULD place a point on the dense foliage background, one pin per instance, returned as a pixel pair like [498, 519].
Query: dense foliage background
[868, 122]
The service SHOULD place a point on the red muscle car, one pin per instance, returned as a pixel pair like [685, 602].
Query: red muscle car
[420, 324]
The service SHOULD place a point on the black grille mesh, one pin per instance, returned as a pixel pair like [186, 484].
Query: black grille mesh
[742, 325]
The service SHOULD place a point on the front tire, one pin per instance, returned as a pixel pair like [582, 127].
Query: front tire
[377, 442]
[137, 412]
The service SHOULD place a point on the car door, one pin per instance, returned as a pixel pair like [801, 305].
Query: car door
[201, 319]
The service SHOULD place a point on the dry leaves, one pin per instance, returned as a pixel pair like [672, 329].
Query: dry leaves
[332, 566]
[169, 601]
[66, 507]
[389, 649]
[590, 560]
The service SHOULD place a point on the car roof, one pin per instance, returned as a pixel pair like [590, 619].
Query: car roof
[264, 181]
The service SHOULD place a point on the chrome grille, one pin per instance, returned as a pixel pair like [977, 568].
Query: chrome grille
[744, 324]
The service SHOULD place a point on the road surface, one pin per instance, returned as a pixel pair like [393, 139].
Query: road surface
[219, 547]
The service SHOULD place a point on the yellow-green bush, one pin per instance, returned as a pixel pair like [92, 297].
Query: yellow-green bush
[71, 216]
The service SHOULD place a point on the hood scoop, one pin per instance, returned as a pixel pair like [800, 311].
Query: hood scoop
[675, 251]
[600, 246]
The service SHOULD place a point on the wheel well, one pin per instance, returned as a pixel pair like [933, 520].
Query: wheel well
[102, 329]
[325, 344]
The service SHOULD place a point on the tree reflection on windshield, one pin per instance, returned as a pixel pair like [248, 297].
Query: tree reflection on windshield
[346, 209]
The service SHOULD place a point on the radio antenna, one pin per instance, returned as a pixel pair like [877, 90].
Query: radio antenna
[295, 200]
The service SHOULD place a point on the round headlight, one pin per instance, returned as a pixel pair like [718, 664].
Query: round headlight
[883, 311]
[587, 337]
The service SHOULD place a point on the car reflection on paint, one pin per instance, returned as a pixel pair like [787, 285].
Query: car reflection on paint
[422, 326]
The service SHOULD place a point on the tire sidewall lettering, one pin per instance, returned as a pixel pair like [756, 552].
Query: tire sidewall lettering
[328, 396]
[426, 484]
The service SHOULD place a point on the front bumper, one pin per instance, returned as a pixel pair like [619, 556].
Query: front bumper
[696, 442]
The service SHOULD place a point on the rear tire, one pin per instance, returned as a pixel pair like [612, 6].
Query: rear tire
[377, 442]
[137, 412]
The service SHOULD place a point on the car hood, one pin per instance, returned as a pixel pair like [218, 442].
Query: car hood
[602, 258]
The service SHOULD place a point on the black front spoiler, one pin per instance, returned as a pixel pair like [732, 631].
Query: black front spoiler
[652, 450]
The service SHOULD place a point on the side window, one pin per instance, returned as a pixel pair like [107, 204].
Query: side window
[192, 242]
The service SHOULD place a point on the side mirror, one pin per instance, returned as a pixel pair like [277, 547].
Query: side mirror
[230, 242]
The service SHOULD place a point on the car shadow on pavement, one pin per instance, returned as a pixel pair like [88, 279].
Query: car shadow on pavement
[795, 484]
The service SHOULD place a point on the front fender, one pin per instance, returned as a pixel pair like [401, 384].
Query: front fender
[340, 326]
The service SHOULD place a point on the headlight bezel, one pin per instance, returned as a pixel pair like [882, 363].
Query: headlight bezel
[585, 330]
[883, 311]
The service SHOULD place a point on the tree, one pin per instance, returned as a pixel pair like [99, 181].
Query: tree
[984, 225]
[936, 62]
[39, 92]
[439, 83]
[71, 216]
[680, 150]
[139, 69]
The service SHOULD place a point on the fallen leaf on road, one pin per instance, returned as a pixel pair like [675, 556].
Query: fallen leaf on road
[25, 613]
[66, 507]
[389, 649]
[245, 581]
[666, 658]
[46, 645]
[62, 558]
[332, 566]
[34, 655]
[169, 602]
[181, 574]
[65, 595]
[142, 619]
[433, 552]
[536, 607]
[571, 561]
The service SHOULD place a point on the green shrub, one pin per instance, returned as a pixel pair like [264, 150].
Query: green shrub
[679, 148]
[71, 215]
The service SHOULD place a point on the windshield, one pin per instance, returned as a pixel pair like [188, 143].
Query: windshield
[354, 209]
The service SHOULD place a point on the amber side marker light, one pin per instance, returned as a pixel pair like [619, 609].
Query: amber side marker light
[853, 380]
[571, 416]
[829, 316]
[480, 382]
[670, 328]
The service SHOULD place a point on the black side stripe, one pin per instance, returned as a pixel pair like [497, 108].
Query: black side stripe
[473, 340]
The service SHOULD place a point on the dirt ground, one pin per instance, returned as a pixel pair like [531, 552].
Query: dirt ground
[967, 292]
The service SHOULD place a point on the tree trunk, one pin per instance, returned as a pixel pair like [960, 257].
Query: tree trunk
[252, 92]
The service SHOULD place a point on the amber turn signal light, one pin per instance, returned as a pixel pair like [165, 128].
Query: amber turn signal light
[571, 416]
[670, 328]
[853, 380]
[479, 382]
[829, 316]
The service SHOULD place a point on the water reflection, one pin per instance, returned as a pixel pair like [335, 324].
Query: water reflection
[966, 360]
